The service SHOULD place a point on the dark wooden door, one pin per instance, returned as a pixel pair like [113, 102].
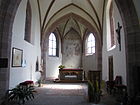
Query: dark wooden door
[110, 62]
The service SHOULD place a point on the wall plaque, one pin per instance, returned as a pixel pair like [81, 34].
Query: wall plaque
[3, 62]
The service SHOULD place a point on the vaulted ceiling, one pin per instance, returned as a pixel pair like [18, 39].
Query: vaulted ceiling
[90, 10]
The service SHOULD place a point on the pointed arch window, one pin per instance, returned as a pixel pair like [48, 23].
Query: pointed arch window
[90, 44]
[53, 45]
[112, 27]
[27, 35]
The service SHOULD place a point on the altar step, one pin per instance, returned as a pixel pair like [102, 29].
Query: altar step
[70, 81]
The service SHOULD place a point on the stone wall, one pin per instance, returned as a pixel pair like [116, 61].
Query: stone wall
[8, 10]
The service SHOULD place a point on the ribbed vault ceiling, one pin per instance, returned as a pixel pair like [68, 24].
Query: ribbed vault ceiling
[90, 10]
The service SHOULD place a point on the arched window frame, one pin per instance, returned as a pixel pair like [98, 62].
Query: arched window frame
[90, 45]
[112, 25]
[53, 45]
[27, 36]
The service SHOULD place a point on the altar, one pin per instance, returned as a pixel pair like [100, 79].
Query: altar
[71, 74]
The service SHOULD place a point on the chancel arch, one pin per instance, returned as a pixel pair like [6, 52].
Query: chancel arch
[66, 25]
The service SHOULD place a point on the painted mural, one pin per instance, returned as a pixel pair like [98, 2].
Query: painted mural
[72, 50]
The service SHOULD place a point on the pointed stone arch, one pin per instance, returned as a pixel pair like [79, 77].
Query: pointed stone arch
[132, 36]
[8, 9]
[82, 21]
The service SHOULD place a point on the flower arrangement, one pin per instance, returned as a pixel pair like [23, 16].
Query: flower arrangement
[61, 66]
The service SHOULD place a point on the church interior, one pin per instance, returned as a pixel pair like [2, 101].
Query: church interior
[70, 41]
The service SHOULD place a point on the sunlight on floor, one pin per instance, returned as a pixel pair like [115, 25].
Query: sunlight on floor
[62, 86]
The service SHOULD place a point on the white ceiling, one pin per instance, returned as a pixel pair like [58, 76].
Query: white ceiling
[90, 10]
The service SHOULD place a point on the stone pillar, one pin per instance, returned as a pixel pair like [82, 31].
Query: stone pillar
[132, 36]
[8, 10]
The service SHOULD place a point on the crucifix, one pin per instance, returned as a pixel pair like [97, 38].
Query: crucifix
[119, 35]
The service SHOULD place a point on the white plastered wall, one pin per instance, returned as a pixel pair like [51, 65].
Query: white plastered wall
[89, 63]
[30, 51]
[119, 57]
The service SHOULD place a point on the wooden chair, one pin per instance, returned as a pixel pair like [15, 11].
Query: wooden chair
[119, 87]
[116, 86]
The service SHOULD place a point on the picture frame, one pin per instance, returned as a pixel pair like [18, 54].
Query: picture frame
[17, 56]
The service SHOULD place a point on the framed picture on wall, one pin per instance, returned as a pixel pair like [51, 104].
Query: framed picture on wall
[17, 55]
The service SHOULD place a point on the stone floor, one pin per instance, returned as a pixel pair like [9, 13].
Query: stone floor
[65, 95]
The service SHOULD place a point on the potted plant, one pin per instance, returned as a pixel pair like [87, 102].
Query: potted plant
[97, 91]
[20, 94]
[94, 92]
[90, 92]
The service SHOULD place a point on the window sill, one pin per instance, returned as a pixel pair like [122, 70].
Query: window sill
[113, 47]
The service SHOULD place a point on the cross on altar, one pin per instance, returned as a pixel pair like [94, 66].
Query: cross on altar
[119, 35]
